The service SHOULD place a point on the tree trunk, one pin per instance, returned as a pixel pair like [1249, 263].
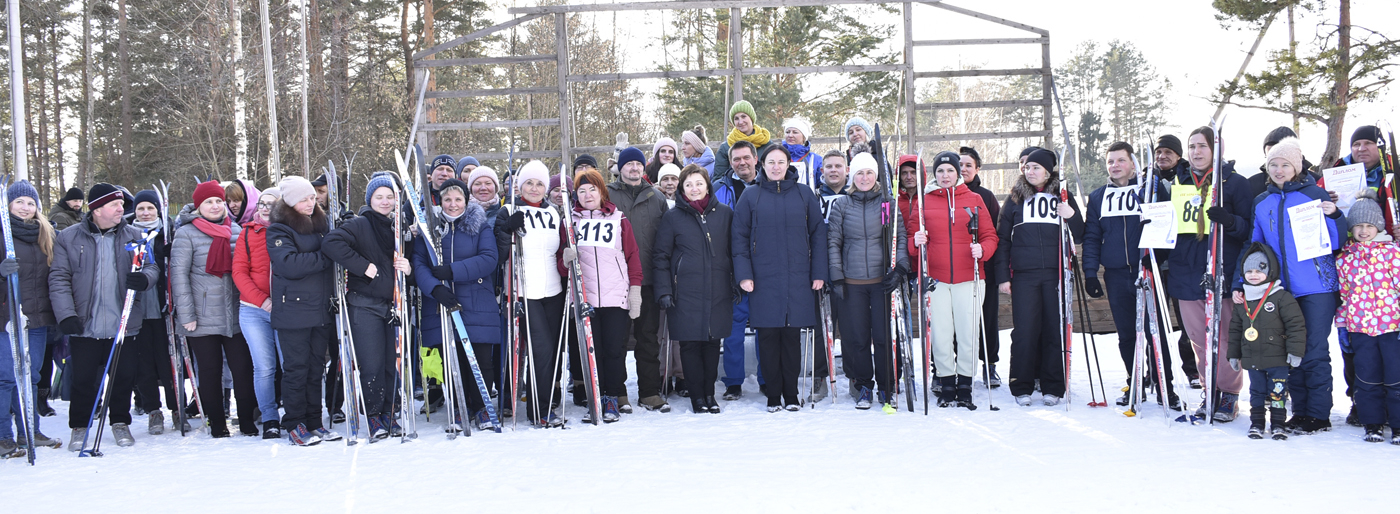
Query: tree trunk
[124, 64]
[1341, 87]
[85, 163]
[57, 120]
[240, 88]
[407, 49]
[430, 112]
[317, 74]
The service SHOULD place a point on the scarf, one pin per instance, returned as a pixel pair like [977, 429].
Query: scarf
[24, 230]
[1202, 180]
[1254, 292]
[700, 204]
[798, 152]
[220, 260]
[759, 137]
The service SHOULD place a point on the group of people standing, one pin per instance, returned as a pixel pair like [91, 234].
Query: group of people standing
[760, 234]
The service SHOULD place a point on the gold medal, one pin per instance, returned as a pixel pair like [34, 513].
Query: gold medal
[1251, 334]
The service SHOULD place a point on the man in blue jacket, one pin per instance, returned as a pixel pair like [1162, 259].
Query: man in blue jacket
[1112, 230]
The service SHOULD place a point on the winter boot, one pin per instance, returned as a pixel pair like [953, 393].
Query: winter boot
[300, 436]
[714, 406]
[40, 440]
[1351, 416]
[1195, 382]
[964, 393]
[655, 403]
[328, 435]
[1278, 427]
[698, 406]
[864, 402]
[611, 411]
[42, 406]
[482, 420]
[10, 450]
[155, 423]
[1256, 423]
[377, 429]
[947, 391]
[1050, 400]
[218, 429]
[1024, 400]
[579, 394]
[122, 434]
[623, 406]
[75, 440]
[1309, 425]
[995, 379]
[271, 430]
[1227, 408]
[733, 392]
[1375, 433]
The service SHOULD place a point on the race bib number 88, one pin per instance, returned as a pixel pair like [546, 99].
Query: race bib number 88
[598, 232]
[1041, 208]
[1189, 204]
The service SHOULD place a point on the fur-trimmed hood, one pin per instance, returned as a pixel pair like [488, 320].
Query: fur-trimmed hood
[288, 215]
[471, 221]
[1023, 189]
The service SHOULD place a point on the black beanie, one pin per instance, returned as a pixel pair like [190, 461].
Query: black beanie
[586, 159]
[1367, 132]
[1028, 151]
[1045, 158]
[72, 194]
[1169, 142]
[320, 181]
[1277, 135]
[103, 193]
[946, 157]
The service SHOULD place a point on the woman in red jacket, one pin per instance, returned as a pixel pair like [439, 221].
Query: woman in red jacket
[250, 274]
[955, 301]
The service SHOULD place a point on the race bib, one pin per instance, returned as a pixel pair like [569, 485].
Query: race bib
[1041, 208]
[540, 218]
[827, 202]
[1189, 205]
[1119, 201]
[598, 232]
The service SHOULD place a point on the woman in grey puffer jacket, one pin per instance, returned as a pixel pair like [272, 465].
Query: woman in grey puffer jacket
[206, 307]
[861, 280]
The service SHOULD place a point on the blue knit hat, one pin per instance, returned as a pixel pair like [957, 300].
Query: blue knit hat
[443, 160]
[22, 188]
[148, 195]
[860, 122]
[465, 161]
[377, 181]
[630, 154]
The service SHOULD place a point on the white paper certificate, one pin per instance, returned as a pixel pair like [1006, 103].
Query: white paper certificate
[1310, 239]
[1161, 233]
[1346, 181]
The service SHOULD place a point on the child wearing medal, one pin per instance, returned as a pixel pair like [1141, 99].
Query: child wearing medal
[1371, 314]
[1267, 337]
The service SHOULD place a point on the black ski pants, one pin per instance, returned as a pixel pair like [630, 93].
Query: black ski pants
[153, 367]
[543, 344]
[648, 347]
[87, 364]
[303, 367]
[1120, 285]
[700, 362]
[865, 326]
[781, 355]
[209, 353]
[1036, 351]
[376, 354]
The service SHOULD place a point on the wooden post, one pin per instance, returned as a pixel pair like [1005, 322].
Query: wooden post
[909, 89]
[1045, 85]
[17, 109]
[736, 52]
[561, 50]
[305, 113]
[274, 156]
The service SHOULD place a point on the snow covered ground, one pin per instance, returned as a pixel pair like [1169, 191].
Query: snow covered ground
[827, 459]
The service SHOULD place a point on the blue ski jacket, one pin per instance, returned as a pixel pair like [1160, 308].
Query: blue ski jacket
[1272, 227]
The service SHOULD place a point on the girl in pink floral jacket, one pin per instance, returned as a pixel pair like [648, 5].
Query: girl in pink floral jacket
[1370, 313]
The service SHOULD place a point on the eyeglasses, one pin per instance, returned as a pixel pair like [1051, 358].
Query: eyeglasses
[264, 205]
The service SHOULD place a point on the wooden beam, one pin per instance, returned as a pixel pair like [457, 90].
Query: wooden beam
[1047, 86]
[979, 73]
[1001, 166]
[719, 72]
[678, 5]
[515, 59]
[987, 17]
[535, 154]
[980, 105]
[478, 125]
[910, 126]
[561, 49]
[846, 68]
[982, 136]
[475, 35]
[472, 93]
[668, 74]
[996, 41]
[736, 54]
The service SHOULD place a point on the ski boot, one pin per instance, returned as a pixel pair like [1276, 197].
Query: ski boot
[947, 391]
[122, 434]
[483, 421]
[733, 392]
[328, 435]
[819, 389]
[611, 411]
[1375, 433]
[698, 406]
[863, 403]
[964, 393]
[1227, 408]
[714, 406]
[300, 436]
[75, 439]
[377, 429]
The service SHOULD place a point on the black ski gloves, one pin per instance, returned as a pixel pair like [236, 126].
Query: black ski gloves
[443, 272]
[666, 301]
[444, 296]
[514, 223]
[9, 267]
[70, 326]
[894, 278]
[1093, 287]
[1217, 214]
[1147, 260]
[136, 281]
[838, 289]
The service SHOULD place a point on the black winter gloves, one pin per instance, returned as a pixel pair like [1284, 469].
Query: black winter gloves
[9, 267]
[838, 289]
[1217, 214]
[136, 281]
[513, 223]
[442, 272]
[894, 278]
[444, 296]
[70, 326]
[666, 301]
[1093, 287]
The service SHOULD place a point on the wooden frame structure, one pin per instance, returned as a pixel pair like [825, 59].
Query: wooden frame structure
[736, 71]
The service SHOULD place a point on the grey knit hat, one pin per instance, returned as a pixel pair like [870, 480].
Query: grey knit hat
[1366, 210]
[1256, 261]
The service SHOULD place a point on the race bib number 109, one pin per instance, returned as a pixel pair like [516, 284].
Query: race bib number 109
[1041, 208]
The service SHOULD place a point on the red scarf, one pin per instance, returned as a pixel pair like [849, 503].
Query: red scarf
[220, 261]
[700, 204]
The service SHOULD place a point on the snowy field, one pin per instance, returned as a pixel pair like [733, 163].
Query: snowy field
[827, 459]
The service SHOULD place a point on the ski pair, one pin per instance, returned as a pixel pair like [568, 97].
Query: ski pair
[583, 317]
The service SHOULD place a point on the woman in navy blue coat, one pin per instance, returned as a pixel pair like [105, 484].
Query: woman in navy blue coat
[779, 244]
[465, 278]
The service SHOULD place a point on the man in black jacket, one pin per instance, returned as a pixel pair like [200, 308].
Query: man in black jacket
[88, 283]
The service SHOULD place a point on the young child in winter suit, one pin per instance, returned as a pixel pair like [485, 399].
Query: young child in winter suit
[1267, 337]
[1370, 312]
